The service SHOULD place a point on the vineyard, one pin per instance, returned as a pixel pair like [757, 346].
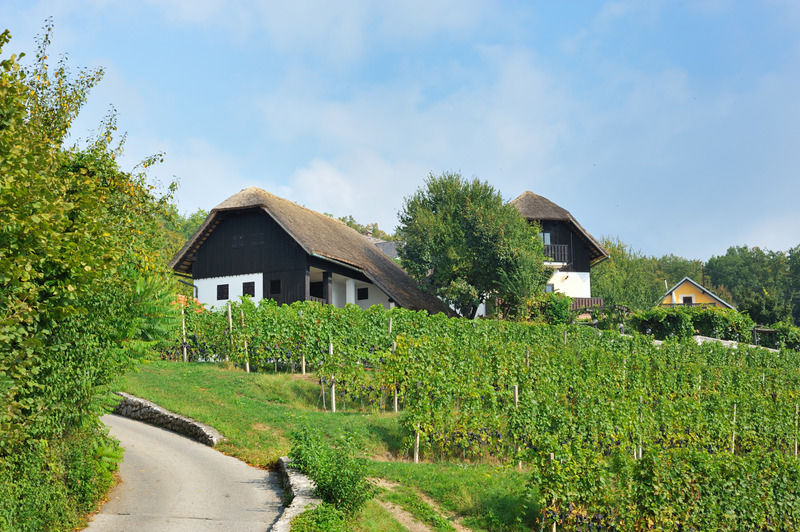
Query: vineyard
[617, 433]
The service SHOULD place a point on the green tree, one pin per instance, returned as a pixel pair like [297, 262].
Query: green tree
[365, 229]
[763, 283]
[627, 278]
[82, 287]
[464, 244]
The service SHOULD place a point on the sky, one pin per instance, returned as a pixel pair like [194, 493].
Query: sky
[673, 126]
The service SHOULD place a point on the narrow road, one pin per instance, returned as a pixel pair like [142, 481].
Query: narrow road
[172, 484]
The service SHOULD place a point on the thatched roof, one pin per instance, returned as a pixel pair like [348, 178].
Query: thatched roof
[320, 236]
[538, 208]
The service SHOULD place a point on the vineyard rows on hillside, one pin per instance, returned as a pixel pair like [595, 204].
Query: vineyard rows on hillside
[617, 432]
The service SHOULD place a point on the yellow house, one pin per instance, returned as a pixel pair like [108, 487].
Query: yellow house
[689, 293]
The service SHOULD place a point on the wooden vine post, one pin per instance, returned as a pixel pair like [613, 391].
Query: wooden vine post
[333, 381]
[516, 436]
[183, 329]
[230, 329]
[303, 354]
[416, 445]
[246, 354]
[795, 430]
[394, 348]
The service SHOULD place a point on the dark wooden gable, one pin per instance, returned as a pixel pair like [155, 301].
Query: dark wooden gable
[561, 233]
[250, 241]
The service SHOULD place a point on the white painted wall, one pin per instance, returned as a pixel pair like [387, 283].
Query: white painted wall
[338, 299]
[376, 296]
[207, 288]
[572, 284]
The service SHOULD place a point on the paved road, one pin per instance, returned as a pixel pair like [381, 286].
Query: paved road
[173, 484]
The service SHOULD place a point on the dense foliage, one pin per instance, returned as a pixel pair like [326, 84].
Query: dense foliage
[634, 280]
[80, 293]
[464, 244]
[764, 283]
[619, 415]
[337, 471]
[683, 322]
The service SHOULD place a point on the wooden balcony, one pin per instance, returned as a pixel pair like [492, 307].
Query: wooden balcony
[556, 253]
[579, 303]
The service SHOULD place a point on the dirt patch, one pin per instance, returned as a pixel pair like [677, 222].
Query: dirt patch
[404, 518]
[261, 427]
[451, 517]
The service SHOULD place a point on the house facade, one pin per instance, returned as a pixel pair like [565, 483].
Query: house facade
[691, 294]
[257, 244]
[570, 250]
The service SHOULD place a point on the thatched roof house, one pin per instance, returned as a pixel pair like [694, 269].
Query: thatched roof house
[571, 249]
[257, 243]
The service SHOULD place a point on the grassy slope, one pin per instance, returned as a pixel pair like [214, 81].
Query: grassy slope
[257, 413]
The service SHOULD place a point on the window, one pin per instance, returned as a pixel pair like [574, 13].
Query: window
[362, 293]
[222, 292]
[315, 289]
[275, 287]
[545, 237]
[238, 241]
[549, 288]
[249, 289]
[688, 300]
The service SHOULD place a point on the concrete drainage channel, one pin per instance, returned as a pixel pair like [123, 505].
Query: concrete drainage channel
[298, 485]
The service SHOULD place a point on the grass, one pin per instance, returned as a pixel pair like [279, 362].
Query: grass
[258, 411]
[409, 501]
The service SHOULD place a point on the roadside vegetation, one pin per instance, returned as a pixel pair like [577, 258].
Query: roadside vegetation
[83, 291]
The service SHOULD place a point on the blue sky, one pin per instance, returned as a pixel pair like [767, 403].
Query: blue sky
[672, 125]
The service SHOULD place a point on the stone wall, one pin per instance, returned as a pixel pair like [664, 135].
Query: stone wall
[302, 490]
[142, 410]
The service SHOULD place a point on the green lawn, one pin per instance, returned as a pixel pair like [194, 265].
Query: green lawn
[258, 411]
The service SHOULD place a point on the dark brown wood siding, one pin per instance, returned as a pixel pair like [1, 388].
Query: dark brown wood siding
[561, 233]
[248, 242]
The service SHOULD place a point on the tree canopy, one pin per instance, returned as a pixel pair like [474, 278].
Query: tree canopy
[82, 285]
[463, 243]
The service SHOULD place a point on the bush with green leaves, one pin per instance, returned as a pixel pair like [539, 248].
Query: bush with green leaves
[683, 322]
[83, 290]
[340, 475]
[324, 518]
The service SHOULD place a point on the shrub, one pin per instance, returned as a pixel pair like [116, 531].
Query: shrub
[552, 308]
[336, 470]
[663, 323]
[683, 322]
[323, 518]
[788, 336]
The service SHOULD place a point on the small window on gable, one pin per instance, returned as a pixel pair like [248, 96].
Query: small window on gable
[545, 237]
[362, 293]
[275, 287]
[238, 241]
[222, 292]
[249, 289]
[688, 301]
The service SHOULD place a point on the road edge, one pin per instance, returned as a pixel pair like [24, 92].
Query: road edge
[301, 489]
[143, 410]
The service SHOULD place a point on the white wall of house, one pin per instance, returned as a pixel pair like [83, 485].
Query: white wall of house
[345, 290]
[572, 284]
[207, 288]
[376, 295]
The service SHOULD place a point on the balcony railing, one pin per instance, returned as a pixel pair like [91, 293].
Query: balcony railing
[579, 303]
[317, 299]
[557, 252]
